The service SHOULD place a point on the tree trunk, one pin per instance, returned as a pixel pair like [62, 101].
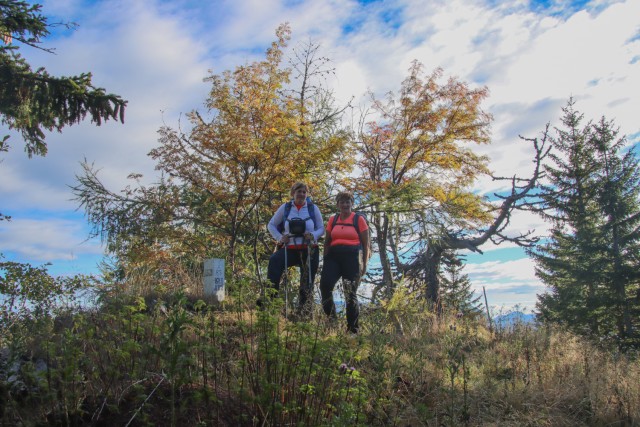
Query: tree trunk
[380, 222]
[434, 257]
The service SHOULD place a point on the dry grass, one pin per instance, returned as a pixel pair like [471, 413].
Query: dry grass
[178, 361]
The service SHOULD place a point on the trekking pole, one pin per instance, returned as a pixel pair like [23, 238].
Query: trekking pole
[310, 284]
[286, 282]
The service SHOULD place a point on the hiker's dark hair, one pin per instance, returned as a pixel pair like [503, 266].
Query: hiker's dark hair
[345, 195]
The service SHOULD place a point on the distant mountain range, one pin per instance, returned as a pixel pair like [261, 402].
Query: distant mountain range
[501, 321]
[514, 318]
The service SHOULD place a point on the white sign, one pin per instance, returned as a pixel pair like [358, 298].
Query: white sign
[214, 278]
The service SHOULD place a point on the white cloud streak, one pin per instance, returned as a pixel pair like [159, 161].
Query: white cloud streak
[507, 283]
[45, 239]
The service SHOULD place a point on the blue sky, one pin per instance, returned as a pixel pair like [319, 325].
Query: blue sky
[532, 56]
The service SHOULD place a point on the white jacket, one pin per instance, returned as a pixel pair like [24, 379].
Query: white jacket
[303, 213]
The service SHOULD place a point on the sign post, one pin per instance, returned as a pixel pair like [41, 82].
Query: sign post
[214, 278]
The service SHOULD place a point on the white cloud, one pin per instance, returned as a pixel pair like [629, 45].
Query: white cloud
[506, 283]
[498, 274]
[351, 80]
[46, 239]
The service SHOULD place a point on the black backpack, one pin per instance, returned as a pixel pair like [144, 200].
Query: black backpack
[287, 209]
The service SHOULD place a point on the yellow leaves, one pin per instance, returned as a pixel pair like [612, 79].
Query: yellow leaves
[461, 204]
[416, 156]
[440, 195]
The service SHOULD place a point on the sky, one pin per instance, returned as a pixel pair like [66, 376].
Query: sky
[531, 55]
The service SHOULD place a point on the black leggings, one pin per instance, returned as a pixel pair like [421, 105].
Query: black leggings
[342, 262]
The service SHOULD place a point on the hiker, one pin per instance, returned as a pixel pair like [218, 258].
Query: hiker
[297, 225]
[346, 253]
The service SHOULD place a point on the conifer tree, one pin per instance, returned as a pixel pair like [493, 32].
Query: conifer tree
[32, 101]
[590, 260]
[566, 261]
[455, 286]
[619, 199]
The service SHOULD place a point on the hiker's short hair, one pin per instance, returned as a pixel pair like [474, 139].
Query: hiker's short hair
[297, 186]
[345, 195]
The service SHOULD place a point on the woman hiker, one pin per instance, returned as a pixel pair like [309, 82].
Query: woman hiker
[296, 225]
[346, 253]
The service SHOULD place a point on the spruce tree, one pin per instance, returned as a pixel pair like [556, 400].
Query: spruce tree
[589, 261]
[619, 199]
[565, 263]
[455, 287]
[32, 101]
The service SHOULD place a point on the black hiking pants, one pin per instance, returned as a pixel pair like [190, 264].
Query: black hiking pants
[342, 262]
[295, 257]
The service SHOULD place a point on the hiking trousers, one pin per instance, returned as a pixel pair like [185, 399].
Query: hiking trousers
[295, 257]
[342, 262]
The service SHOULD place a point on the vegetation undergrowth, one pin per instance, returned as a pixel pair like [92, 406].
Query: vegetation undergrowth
[174, 360]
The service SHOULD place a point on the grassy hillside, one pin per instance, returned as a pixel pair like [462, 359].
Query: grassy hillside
[179, 361]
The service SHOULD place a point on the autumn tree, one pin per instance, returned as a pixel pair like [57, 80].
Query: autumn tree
[227, 174]
[416, 171]
[415, 167]
[32, 101]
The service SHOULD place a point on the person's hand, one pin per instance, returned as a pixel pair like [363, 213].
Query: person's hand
[308, 236]
[284, 239]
